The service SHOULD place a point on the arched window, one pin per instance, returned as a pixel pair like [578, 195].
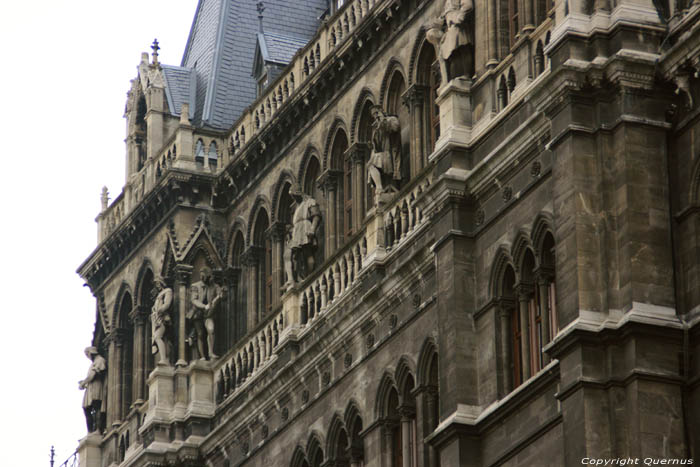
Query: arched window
[407, 411]
[427, 75]
[513, 23]
[126, 356]
[238, 295]
[141, 132]
[356, 444]
[343, 227]
[314, 453]
[199, 152]
[284, 216]
[397, 86]
[261, 240]
[548, 288]
[213, 155]
[146, 300]
[364, 136]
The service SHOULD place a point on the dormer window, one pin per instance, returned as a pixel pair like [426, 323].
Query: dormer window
[262, 83]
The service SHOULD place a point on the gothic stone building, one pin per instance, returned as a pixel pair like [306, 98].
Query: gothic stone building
[523, 291]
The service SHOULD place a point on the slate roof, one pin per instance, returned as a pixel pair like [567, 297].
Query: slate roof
[221, 47]
[180, 87]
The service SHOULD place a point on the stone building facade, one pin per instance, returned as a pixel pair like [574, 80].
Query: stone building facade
[522, 289]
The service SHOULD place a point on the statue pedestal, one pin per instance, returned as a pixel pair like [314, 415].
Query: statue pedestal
[161, 395]
[201, 390]
[89, 450]
[455, 102]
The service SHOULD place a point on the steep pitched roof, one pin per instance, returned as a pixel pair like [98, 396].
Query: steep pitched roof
[221, 49]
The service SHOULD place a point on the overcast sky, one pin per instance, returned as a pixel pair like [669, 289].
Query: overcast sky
[66, 67]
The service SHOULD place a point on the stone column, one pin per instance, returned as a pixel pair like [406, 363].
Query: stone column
[276, 233]
[232, 276]
[329, 182]
[250, 259]
[414, 99]
[492, 13]
[544, 278]
[408, 414]
[431, 401]
[140, 316]
[359, 153]
[524, 294]
[527, 12]
[183, 272]
[388, 443]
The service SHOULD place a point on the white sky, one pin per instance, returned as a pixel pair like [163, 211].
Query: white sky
[66, 67]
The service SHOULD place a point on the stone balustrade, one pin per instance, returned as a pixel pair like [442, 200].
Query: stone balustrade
[403, 216]
[251, 355]
[333, 281]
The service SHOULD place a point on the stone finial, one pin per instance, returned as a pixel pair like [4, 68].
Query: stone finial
[144, 58]
[260, 7]
[104, 198]
[155, 49]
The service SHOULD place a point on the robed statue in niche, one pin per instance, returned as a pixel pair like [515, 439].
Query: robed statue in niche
[452, 34]
[301, 236]
[205, 299]
[95, 390]
[384, 168]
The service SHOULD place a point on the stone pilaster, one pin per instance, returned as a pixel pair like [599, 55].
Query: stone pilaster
[183, 273]
[140, 315]
[251, 259]
[415, 98]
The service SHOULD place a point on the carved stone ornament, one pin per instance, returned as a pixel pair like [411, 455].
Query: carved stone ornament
[507, 194]
[393, 321]
[480, 216]
[417, 300]
[536, 169]
[326, 379]
[370, 341]
[265, 431]
[348, 360]
[285, 414]
[304, 396]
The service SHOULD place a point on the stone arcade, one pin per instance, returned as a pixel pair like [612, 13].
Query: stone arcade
[404, 233]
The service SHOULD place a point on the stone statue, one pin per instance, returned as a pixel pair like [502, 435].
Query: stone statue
[94, 386]
[385, 159]
[160, 321]
[205, 299]
[302, 241]
[452, 34]
[287, 256]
